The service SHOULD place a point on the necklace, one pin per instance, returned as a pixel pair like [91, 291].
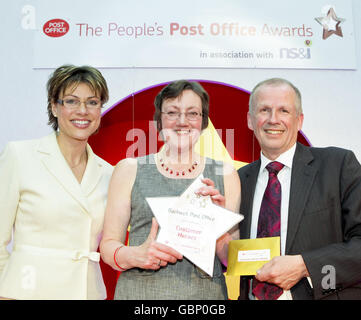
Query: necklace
[177, 172]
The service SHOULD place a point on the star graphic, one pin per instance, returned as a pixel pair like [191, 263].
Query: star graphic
[191, 225]
[331, 24]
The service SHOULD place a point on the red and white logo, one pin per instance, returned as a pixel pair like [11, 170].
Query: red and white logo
[56, 28]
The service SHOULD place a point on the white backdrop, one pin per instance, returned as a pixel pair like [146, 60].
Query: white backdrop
[330, 97]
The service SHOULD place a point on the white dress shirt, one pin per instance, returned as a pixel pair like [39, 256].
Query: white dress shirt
[284, 177]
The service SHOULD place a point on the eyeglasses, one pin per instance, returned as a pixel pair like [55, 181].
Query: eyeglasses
[72, 103]
[174, 115]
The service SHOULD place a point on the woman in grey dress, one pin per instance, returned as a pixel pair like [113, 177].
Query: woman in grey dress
[151, 270]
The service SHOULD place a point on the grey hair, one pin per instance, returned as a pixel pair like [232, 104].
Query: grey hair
[276, 82]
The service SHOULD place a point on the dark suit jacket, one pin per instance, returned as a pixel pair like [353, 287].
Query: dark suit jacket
[324, 223]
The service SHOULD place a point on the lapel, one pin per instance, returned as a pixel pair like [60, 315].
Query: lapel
[249, 186]
[56, 164]
[92, 174]
[302, 177]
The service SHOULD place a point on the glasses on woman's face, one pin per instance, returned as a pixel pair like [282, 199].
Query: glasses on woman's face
[73, 103]
[175, 115]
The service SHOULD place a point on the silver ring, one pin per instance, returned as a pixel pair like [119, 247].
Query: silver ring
[160, 261]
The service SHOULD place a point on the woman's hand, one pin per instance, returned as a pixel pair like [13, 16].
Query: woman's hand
[210, 190]
[152, 254]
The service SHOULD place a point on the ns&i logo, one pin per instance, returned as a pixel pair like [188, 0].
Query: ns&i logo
[295, 53]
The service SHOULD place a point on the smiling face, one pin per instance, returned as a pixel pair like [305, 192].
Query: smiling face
[181, 134]
[274, 119]
[79, 123]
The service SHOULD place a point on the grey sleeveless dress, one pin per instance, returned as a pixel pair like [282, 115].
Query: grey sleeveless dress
[182, 280]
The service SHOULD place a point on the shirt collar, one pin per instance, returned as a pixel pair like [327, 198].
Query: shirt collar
[285, 158]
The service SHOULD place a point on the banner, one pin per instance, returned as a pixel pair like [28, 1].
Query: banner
[195, 34]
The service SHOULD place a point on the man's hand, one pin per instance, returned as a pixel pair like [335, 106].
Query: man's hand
[283, 271]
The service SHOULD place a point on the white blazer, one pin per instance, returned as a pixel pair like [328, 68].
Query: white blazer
[57, 223]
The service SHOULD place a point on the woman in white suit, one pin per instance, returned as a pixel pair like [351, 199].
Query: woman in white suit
[53, 192]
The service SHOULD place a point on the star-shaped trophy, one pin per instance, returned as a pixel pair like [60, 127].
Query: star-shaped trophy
[191, 224]
[331, 24]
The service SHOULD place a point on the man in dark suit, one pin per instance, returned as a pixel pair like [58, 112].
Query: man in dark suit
[320, 210]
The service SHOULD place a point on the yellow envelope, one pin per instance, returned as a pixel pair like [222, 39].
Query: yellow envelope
[246, 256]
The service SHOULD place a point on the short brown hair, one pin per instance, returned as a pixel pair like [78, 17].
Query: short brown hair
[174, 90]
[71, 76]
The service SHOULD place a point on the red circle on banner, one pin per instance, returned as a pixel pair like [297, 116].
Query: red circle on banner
[56, 28]
[126, 124]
